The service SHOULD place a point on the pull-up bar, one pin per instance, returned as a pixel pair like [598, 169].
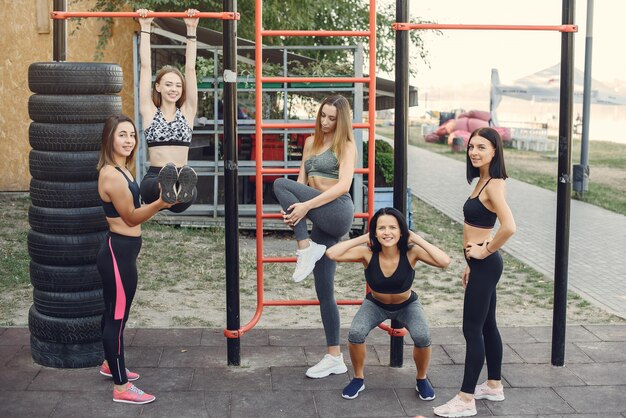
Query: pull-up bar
[409, 26]
[207, 15]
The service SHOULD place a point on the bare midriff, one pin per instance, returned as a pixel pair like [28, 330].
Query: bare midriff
[392, 299]
[321, 183]
[163, 154]
[118, 226]
[475, 235]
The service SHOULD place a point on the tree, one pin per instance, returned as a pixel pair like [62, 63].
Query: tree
[293, 14]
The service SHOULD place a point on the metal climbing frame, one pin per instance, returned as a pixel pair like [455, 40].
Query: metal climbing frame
[260, 171]
[567, 29]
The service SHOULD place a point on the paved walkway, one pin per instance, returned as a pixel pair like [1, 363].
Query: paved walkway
[185, 369]
[597, 259]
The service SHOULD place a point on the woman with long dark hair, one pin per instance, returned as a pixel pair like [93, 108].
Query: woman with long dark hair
[389, 252]
[117, 258]
[486, 204]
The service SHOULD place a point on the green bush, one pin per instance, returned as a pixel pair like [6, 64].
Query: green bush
[384, 162]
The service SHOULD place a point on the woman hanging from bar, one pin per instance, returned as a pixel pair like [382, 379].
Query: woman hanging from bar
[167, 111]
[485, 160]
[117, 258]
[389, 252]
[320, 195]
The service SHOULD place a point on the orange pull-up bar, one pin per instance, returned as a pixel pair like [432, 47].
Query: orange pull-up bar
[207, 15]
[409, 26]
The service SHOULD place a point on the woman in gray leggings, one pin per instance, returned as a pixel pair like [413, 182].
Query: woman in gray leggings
[321, 195]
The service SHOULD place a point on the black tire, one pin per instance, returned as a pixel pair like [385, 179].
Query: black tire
[65, 137]
[66, 221]
[63, 166]
[64, 250]
[69, 305]
[74, 78]
[50, 194]
[66, 356]
[64, 330]
[52, 108]
[65, 278]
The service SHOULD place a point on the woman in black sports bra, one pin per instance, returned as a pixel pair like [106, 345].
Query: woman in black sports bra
[118, 255]
[485, 160]
[389, 252]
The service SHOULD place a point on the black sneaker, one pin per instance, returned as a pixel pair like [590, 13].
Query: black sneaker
[187, 179]
[168, 176]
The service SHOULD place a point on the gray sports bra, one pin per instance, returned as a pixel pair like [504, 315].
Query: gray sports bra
[323, 165]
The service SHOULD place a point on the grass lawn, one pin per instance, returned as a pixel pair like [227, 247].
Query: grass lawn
[607, 161]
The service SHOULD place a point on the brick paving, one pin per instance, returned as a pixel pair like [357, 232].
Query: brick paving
[186, 370]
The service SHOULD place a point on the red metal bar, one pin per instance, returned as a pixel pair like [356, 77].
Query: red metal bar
[315, 33]
[440, 26]
[316, 80]
[279, 216]
[305, 125]
[308, 302]
[202, 15]
[295, 170]
[258, 55]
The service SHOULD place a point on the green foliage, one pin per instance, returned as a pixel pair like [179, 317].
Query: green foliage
[294, 15]
[384, 162]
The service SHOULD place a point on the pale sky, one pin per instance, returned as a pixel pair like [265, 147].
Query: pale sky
[461, 57]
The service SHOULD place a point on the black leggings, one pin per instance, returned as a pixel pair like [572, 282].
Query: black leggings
[117, 264]
[149, 190]
[482, 337]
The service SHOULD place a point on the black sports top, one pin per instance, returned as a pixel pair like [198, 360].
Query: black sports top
[162, 132]
[109, 209]
[476, 214]
[400, 281]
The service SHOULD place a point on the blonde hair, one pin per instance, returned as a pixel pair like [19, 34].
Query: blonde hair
[343, 129]
[108, 137]
[156, 96]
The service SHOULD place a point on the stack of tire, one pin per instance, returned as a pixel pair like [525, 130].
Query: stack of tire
[70, 104]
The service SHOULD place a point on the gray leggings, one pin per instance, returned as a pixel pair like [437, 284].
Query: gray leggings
[411, 315]
[330, 222]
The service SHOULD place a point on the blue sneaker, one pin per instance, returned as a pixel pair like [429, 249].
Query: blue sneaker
[425, 389]
[352, 390]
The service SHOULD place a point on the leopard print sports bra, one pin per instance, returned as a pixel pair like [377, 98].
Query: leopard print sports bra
[161, 132]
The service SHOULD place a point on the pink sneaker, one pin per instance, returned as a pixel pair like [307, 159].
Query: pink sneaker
[106, 371]
[456, 407]
[133, 395]
[484, 391]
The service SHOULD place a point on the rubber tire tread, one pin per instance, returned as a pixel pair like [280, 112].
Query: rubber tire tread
[63, 166]
[66, 356]
[69, 305]
[75, 78]
[64, 278]
[51, 194]
[54, 108]
[87, 329]
[65, 137]
[64, 221]
[64, 250]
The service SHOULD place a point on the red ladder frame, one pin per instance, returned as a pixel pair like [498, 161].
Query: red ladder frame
[260, 125]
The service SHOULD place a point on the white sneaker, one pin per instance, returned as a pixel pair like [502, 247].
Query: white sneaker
[484, 391]
[327, 366]
[307, 259]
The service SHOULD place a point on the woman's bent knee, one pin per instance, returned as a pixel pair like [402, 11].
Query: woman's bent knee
[357, 336]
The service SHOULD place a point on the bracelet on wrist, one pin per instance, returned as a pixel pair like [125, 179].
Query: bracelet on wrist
[487, 248]
[191, 37]
[146, 31]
